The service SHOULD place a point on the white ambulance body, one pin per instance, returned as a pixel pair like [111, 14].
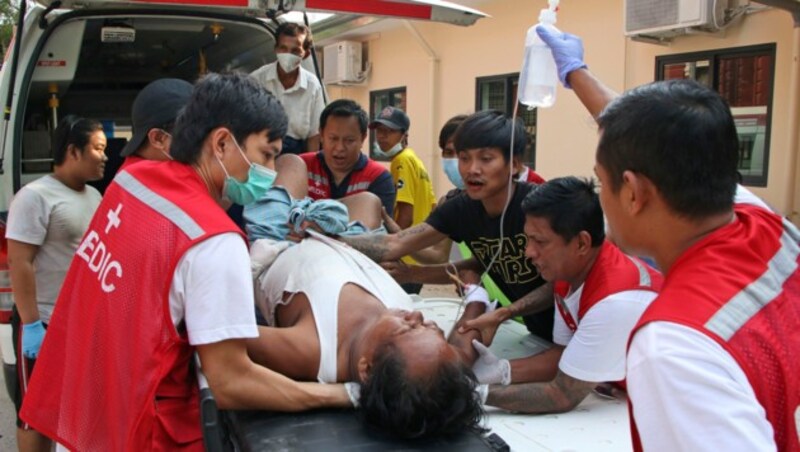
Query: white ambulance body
[91, 57]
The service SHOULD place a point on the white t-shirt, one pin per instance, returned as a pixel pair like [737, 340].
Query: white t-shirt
[674, 370]
[596, 351]
[212, 290]
[690, 394]
[53, 216]
[745, 196]
[303, 102]
[319, 269]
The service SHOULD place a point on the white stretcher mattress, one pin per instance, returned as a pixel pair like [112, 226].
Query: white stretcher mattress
[596, 425]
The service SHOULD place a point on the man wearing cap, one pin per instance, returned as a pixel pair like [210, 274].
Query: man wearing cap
[415, 198]
[297, 89]
[153, 115]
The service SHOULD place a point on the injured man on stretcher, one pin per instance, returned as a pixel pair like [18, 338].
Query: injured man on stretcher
[334, 315]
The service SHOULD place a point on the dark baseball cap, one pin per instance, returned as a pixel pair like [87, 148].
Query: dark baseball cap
[393, 118]
[157, 104]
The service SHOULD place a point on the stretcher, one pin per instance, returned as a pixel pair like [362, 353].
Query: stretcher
[597, 424]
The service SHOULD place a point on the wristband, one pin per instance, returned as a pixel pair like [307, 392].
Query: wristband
[474, 293]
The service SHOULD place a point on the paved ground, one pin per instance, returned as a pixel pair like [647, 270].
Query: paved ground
[8, 429]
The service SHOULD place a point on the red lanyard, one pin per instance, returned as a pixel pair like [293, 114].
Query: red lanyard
[564, 311]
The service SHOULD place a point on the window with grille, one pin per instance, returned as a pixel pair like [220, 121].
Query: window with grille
[744, 77]
[499, 92]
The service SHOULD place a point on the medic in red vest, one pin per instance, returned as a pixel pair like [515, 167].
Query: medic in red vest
[600, 293]
[713, 362]
[162, 273]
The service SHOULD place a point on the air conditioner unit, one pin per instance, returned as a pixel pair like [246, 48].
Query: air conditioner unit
[342, 63]
[668, 18]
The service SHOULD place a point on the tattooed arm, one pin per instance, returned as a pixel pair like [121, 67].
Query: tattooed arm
[561, 394]
[535, 301]
[388, 247]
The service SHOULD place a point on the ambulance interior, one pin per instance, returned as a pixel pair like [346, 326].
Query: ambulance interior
[94, 67]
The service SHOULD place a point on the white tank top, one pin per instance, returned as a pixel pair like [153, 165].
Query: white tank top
[319, 267]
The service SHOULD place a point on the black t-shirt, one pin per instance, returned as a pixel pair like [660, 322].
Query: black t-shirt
[465, 220]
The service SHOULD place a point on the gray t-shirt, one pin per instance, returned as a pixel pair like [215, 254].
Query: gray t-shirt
[53, 216]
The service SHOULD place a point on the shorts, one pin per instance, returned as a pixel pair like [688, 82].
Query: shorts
[24, 366]
[269, 217]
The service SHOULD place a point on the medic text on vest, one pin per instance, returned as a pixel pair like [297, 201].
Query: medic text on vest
[95, 253]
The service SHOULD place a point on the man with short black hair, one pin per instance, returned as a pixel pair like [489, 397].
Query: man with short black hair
[474, 217]
[297, 89]
[600, 293]
[712, 363]
[161, 274]
[340, 169]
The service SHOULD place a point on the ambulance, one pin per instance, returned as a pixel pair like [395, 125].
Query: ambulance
[91, 57]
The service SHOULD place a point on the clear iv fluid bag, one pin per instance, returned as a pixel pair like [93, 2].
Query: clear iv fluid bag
[539, 76]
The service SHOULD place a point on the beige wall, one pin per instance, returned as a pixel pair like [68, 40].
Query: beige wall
[566, 134]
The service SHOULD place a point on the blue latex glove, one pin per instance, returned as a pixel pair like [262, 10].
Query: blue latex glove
[32, 337]
[567, 51]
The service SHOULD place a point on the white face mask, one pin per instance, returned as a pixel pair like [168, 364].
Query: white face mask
[390, 153]
[288, 61]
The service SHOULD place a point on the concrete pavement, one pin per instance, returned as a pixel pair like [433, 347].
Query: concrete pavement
[8, 426]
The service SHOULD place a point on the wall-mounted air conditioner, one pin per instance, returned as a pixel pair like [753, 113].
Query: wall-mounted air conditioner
[668, 18]
[342, 63]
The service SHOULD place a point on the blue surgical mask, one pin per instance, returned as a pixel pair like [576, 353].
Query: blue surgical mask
[450, 166]
[390, 153]
[259, 180]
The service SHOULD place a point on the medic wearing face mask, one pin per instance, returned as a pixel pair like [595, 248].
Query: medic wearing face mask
[161, 274]
[415, 198]
[259, 180]
[298, 90]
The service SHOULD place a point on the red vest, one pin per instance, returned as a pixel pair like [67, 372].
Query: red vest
[612, 272]
[130, 160]
[533, 177]
[114, 374]
[319, 183]
[741, 287]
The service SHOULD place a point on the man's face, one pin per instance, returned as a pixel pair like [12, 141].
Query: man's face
[291, 44]
[92, 157]
[421, 342]
[341, 142]
[257, 148]
[555, 258]
[387, 137]
[484, 171]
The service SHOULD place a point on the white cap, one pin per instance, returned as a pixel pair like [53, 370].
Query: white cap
[547, 16]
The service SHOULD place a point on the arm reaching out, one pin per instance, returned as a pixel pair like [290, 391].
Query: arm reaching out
[476, 303]
[561, 394]
[537, 300]
[239, 383]
[389, 247]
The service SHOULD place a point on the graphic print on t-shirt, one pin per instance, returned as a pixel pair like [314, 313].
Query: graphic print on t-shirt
[512, 264]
